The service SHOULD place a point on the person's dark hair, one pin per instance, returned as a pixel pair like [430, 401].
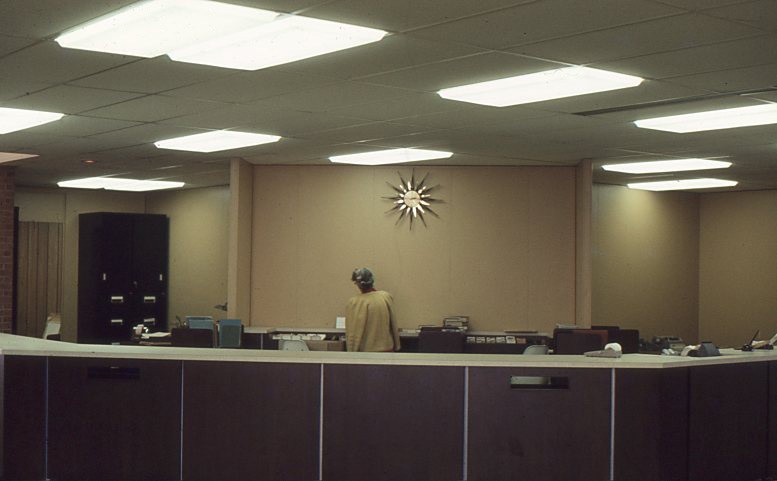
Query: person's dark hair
[363, 278]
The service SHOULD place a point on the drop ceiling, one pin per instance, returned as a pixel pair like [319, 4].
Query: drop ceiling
[694, 54]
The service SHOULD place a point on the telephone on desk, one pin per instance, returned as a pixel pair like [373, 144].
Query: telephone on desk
[753, 344]
[669, 343]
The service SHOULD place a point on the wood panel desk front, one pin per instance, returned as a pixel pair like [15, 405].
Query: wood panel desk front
[140, 413]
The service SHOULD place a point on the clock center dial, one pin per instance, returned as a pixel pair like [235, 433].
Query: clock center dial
[412, 199]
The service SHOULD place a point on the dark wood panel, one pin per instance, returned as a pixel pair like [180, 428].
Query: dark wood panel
[651, 424]
[773, 419]
[116, 420]
[539, 434]
[393, 423]
[727, 422]
[251, 421]
[23, 418]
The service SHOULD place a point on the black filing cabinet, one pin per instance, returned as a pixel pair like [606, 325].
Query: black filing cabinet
[122, 275]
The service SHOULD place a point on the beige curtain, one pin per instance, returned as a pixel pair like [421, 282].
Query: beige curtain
[40, 275]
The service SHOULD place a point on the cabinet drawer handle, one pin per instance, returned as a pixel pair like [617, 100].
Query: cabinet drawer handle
[113, 372]
[539, 382]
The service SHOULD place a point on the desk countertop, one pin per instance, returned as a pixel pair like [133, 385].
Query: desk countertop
[26, 346]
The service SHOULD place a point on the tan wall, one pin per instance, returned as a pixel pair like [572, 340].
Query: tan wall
[646, 261]
[502, 251]
[199, 228]
[40, 205]
[198, 240]
[738, 267]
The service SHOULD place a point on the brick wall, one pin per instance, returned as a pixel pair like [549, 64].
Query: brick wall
[6, 247]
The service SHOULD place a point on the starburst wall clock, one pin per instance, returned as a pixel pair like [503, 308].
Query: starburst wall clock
[412, 199]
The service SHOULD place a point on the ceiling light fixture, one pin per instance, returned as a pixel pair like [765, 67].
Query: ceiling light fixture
[12, 120]
[392, 156]
[713, 119]
[11, 156]
[216, 141]
[214, 33]
[684, 184]
[536, 87]
[155, 27]
[287, 39]
[677, 165]
[115, 183]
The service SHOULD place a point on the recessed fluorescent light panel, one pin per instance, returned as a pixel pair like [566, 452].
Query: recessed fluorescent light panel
[713, 119]
[114, 183]
[12, 120]
[216, 141]
[214, 33]
[536, 87]
[677, 165]
[155, 27]
[393, 156]
[10, 156]
[685, 184]
[287, 39]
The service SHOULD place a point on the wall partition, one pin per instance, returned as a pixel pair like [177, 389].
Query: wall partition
[500, 250]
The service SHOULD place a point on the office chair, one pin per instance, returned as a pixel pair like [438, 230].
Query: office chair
[440, 340]
[628, 339]
[292, 345]
[578, 341]
[51, 331]
[185, 337]
[536, 350]
[201, 323]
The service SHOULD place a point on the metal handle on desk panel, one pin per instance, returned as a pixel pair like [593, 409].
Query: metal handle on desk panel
[113, 372]
[539, 382]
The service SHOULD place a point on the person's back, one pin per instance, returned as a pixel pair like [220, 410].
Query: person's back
[370, 323]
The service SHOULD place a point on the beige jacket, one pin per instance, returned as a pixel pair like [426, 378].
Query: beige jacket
[370, 323]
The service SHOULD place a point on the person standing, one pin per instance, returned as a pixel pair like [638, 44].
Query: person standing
[369, 317]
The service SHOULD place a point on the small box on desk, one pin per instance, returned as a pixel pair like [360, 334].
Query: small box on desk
[326, 345]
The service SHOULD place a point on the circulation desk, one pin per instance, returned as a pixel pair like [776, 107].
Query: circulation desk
[108, 413]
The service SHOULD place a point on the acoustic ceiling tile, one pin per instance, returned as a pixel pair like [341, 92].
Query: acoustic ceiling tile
[45, 18]
[152, 108]
[81, 126]
[54, 64]
[373, 131]
[733, 80]
[249, 86]
[394, 52]
[398, 108]
[708, 58]
[11, 89]
[9, 44]
[650, 37]
[402, 15]
[461, 71]
[70, 100]
[152, 75]
[545, 20]
[334, 95]
[760, 13]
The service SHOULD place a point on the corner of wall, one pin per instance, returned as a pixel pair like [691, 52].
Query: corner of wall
[241, 185]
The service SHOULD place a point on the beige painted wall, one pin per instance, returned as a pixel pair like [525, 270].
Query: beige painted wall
[738, 266]
[502, 251]
[198, 240]
[646, 261]
[199, 229]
